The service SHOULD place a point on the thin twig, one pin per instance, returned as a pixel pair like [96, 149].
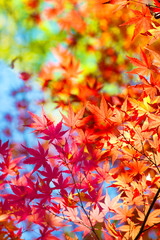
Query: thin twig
[143, 154]
[155, 197]
[79, 196]
[147, 215]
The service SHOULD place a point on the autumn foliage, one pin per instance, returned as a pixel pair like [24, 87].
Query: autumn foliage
[95, 172]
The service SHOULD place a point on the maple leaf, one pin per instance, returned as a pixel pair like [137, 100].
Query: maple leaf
[145, 66]
[72, 214]
[70, 67]
[88, 184]
[152, 218]
[73, 120]
[23, 189]
[44, 191]
[53, 132]
[131, 230]
[54, 221]
[123, 180]
[123, 213]
[49, 173]
[46, 73]
[94, 197]
[110, 205]
[10, 166]
[141, 21]
[119, 116]
[40, 124]
[155, 143]
[143, 107]
[20, 192]
[149, 86]
[66, 63]
[133, 197]
[139, 134]
[96, 215]
[156, 57]
[87, 91]
[70, 201]
[104, 173]
[61, 184]
[39, 157]
[155, 120]
[102, 115]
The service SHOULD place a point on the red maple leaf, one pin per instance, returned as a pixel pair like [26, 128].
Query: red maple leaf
[62, 184]
[50, 173]
[39, 157]
[10, 166]
[53, 132]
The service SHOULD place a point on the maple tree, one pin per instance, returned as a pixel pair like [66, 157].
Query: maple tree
[95, 172]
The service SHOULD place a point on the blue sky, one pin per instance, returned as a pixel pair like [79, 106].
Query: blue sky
[10, 81]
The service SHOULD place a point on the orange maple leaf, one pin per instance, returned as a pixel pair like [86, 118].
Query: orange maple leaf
[73, 120]
[101, 114]
[142, 21]
[149, 86]
[123, 213]
[67, 22]
[153, 217]
[131, 230]
[70, 67]
[145, 66]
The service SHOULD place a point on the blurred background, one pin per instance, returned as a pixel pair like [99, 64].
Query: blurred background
[49, 59]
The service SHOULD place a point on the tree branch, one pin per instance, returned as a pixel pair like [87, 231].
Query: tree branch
[147, 215]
